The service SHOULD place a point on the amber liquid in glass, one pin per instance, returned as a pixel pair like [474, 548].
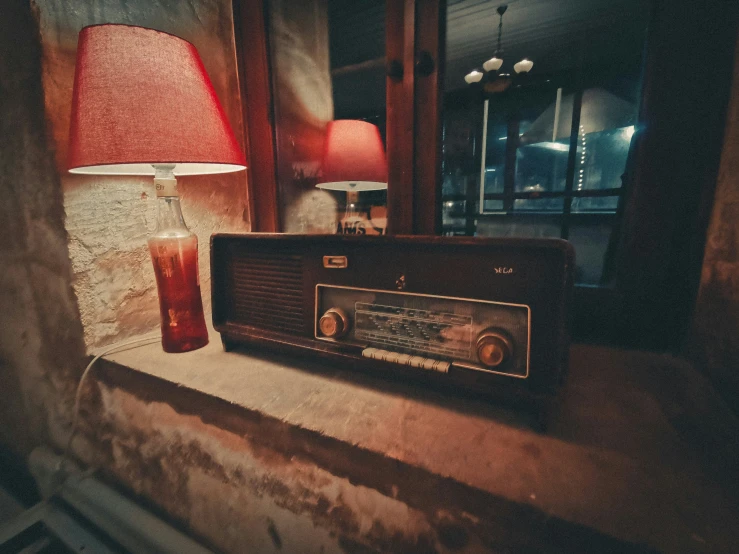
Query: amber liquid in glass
[174, 253]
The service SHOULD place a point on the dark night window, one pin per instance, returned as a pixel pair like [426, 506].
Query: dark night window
[543, 154]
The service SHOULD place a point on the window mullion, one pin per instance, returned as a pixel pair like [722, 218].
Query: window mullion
[571, 162]
[509, 176]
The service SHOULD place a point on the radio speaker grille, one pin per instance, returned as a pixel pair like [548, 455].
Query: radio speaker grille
[268, 290]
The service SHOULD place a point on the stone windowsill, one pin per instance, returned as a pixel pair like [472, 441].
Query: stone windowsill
[614, 458]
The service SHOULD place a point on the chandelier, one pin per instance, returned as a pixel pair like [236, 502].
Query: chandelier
[496, 62]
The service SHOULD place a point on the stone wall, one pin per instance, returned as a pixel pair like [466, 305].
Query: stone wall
[714, 343]
[110, 218]
[41, 346]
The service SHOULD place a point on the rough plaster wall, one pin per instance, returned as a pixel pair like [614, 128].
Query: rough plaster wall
[715, 343]
[41, 346]
[110, 218]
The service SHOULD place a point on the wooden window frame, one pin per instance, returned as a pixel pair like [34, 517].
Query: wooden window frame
[415, 41]
[251, 33]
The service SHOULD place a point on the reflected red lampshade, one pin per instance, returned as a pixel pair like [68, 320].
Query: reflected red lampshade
[353, 158]
[143, 97]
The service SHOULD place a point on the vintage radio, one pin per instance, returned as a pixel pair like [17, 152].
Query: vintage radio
[488, 315]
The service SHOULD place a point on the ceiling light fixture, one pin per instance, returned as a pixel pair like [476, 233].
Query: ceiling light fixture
[524, 66]
[473, 77]
[495, 63]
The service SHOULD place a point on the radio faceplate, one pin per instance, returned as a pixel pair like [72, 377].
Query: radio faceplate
[402, 327]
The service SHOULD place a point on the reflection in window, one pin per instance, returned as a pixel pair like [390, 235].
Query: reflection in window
[461, 153]
[606, 126]
[552, 145]
[601, 157]
[327, 61]
[357, 59]
[539, 205]
[525, 225]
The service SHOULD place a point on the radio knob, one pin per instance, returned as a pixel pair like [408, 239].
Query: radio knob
[334, 323]
[493, 348]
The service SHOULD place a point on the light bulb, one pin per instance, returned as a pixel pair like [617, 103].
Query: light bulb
[493, 64]
[473, 77]
[524, 66]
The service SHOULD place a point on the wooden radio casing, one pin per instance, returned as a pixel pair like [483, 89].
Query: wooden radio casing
[264, 292]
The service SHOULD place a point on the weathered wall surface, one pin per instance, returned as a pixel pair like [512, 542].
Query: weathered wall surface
[41, 345]
[110, 218]
[237, 494]
[323, 460]
[714, 344]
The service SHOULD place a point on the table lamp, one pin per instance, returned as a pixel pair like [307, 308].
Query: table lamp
[143, 104]
[353, 161]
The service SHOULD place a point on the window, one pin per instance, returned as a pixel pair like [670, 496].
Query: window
[477, 160]
[327, 61]
[542, 154]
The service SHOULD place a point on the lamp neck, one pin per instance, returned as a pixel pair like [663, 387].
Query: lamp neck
[169, 213]
[169, 216]
[165, 181]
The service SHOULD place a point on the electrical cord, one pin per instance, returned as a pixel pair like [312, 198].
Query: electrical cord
[143, 341]
[59, 479]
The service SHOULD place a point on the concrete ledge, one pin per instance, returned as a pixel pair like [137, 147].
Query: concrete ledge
[623, 457]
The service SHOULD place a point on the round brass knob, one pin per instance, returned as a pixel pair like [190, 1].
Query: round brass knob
[494, 348]
[334, 323]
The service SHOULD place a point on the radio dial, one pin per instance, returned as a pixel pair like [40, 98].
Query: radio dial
[334, 323]
[493, 348]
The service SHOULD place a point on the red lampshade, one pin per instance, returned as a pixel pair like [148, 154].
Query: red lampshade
[143, 97]
[353, 158]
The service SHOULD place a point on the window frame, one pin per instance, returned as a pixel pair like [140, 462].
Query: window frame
[251, 34]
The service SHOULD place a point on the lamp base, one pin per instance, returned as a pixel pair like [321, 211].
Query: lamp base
[181, 307]
[174, 253]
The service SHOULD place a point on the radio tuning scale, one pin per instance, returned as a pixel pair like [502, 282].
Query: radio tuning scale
[426, 331]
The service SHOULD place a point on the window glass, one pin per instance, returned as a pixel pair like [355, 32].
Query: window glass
[495, 150]
[454, 217]
[590, 236]
[327, 59]
[542, 153]
[461, 155]
[519, 225]
[595, 204]
[539, 204]
[601, 157]
[549, 137]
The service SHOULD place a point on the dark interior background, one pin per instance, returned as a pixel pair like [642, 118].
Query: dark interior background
[549, 32]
